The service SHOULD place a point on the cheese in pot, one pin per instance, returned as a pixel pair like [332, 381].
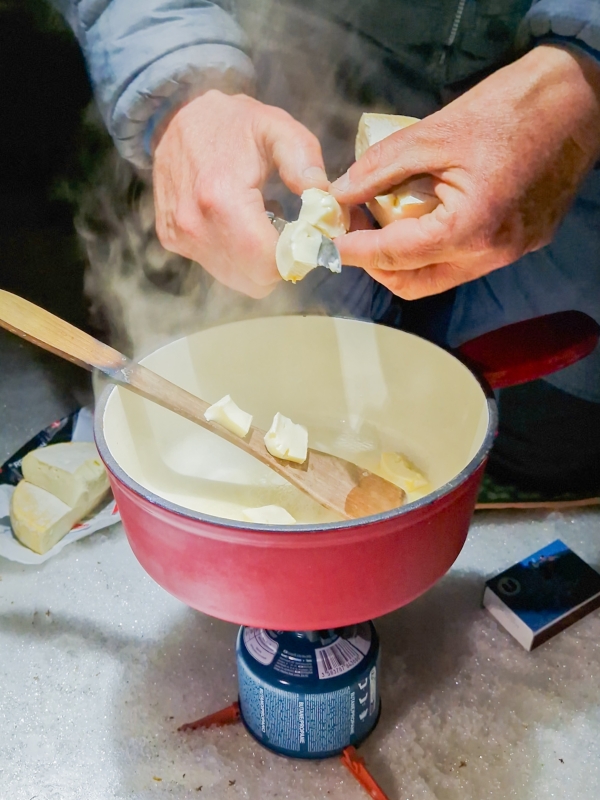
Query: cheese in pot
[268, 515]
[286, 439]
[229, 415]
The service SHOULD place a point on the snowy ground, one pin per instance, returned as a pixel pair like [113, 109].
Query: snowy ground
[98, 667]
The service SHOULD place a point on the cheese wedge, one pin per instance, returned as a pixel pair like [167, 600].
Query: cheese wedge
[268, 515]
[39, 519]
[71, 471]
[229, 415]
[372, 128]
[287, 439]
[322, 210]
[414, 197]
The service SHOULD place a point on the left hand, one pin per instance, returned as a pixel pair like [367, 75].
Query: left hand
[507, 157]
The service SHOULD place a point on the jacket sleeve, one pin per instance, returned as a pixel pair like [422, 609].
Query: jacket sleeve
[145, 58]
[574, 21]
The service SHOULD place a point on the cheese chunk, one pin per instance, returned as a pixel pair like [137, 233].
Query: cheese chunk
[372, 128]
[71, 471]
[297, 250]
[229, 415]
[39, 519]
[414, 197]
[268, 515]
[286, 439]
[321, 209]
[396, 468]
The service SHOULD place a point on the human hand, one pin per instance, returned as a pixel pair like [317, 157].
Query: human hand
[210, 164]
[507, 158]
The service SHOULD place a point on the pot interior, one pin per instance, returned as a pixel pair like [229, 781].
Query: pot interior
[360, 389]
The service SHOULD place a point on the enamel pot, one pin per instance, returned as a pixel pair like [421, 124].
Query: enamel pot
[360, 389]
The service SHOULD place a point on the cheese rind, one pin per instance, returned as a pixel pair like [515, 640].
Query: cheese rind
[372, 128]
[322, 210]
[414, 198]
[268, 515]
[287, 439]
[71, 471]
[229, 415]
[297, 250]
[40, 520]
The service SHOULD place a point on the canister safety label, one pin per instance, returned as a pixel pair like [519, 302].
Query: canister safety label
[260, 645]
[304, 724]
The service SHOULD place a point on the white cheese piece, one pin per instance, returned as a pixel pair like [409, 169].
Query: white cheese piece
[229, 415]
[71, 471]
[321, 209]
[39, 519]
[372, 128]
[287, 439]
[396, 468]
[297, 250]
[414, 197]
[268, 515]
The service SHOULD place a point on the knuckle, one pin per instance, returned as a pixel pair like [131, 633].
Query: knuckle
[372, 158]
[409, 292]
[186, 221]
[165, 232]
[384, 258]
[281, 115]
[209, 201]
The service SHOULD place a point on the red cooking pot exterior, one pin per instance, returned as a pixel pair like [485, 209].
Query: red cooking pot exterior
[337, 574]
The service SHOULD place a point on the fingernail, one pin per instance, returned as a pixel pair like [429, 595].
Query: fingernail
[343, 183]
[316, 175]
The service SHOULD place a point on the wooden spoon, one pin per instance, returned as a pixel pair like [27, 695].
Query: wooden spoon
[339, 485]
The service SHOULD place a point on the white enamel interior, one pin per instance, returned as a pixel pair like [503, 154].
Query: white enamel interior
[359, 388]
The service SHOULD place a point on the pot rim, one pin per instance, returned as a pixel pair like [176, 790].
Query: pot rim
[221, 522]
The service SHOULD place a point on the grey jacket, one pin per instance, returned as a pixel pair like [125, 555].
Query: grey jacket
[146, 56]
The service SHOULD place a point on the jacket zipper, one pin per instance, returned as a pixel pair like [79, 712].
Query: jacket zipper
[458, 15]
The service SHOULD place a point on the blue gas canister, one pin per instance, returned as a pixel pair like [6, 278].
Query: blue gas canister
[309, 694]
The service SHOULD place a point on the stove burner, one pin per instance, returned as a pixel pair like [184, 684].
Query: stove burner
[308, 694]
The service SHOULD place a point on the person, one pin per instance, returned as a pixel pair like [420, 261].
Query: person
[214, 97]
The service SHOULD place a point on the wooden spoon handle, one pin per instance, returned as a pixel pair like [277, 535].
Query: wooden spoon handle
[63, 339]
[54, 334]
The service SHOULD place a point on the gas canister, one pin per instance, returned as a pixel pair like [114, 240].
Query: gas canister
[309, 694]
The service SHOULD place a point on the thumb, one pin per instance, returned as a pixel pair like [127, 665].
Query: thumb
[296, 152]
[386, 164]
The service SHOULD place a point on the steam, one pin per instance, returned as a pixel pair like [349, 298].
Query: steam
[144, 296]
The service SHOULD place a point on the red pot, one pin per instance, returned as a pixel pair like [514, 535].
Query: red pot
[360, 388]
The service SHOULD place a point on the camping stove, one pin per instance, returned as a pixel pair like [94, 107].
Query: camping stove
[308, 694]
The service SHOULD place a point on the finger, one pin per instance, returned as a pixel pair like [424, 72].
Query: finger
[387, 164]
[234, 241]
[424, 282]
[296, 152]
[249, 239]
[407, 244]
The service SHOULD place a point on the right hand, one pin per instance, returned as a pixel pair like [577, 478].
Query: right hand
[210, 164]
